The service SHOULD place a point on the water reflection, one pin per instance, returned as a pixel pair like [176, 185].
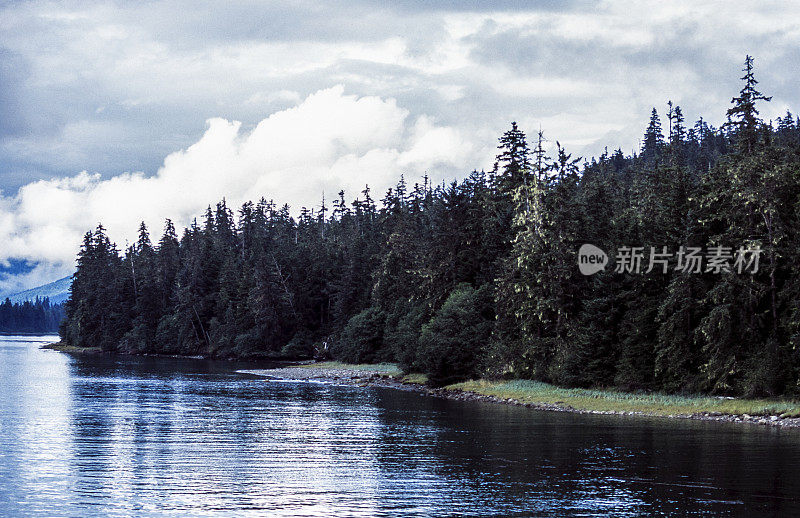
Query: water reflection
[98, 435]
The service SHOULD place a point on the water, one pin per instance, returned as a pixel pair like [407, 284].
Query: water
[105, 436]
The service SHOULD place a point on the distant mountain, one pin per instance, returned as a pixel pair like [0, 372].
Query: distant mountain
[56, 291]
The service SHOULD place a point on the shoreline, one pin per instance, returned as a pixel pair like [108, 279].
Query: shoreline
[72, 349]
[545, 397]
[363, 376]
[66, 348]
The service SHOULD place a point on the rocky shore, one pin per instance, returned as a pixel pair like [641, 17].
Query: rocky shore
[66, 348]
[367, 378]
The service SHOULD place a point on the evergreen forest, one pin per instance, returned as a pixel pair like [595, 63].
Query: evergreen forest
[479, 277]
[34, 317]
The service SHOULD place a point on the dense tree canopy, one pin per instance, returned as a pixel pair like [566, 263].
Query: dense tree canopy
[479, 277]
[31, 316]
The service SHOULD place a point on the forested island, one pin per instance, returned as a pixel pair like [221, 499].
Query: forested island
[480, 278]
[34, 317]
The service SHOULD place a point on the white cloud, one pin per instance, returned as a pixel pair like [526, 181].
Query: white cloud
[329, 141]
[110, 86]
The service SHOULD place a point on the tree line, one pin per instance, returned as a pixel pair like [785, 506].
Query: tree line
[35, 317]
[479, 277]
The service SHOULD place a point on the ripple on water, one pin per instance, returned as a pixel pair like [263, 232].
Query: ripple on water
[96, 435]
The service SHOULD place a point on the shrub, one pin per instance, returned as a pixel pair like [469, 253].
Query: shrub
[361, 339]
[401, 333]
[301, 346]
[452, 343]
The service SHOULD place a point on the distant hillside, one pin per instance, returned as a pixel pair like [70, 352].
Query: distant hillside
[56, 291]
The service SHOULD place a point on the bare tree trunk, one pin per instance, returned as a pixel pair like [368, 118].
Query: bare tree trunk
[288, 293]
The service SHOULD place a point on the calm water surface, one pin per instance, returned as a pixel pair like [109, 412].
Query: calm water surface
[106, 436]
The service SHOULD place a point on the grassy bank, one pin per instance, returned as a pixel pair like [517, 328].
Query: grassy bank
[544, 394]
[534, 392]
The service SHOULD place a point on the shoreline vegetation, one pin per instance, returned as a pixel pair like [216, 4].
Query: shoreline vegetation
[546, 397]
[480, 278]
[533, 394]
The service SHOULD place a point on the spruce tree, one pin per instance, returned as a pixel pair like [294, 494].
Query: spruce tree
[743, 115]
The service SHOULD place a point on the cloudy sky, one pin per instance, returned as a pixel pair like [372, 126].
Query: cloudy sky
[127, 111]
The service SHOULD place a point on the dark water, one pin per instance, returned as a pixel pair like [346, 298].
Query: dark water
[99, 436]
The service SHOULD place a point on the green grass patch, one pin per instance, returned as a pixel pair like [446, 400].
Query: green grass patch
[608, 400]
[389, 369]
[415, 378]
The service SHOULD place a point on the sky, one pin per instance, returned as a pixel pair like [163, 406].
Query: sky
[121, 112]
